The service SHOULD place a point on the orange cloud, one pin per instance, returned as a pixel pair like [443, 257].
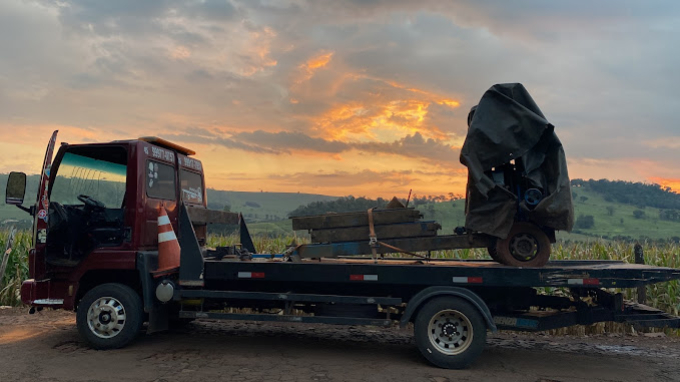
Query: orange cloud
[313, 64]
[673, 184]
[319, 61]
[260, 42]
[387, 121]
[432, 96]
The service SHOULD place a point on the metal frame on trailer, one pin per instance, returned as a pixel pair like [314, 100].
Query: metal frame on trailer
[595, 274]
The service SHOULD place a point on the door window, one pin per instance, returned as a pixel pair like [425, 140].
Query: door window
[192, 187]
[160, 181]
[99, 179]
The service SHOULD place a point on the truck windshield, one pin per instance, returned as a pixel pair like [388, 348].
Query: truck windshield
[81, 175]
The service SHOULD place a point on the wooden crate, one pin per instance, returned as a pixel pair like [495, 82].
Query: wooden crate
[356, 219]
[391, 231]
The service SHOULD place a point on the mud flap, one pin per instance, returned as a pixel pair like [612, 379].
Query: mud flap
[158, 319]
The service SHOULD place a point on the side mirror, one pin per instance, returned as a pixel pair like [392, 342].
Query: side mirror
[16, 188]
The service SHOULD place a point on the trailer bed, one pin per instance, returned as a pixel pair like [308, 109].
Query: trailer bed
[593, 274]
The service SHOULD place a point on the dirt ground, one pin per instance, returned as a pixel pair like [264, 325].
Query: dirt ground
[46, 347]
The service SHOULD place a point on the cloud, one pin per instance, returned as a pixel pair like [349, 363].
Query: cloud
[665, 143]
[315, 63]
[353, 85]
[389, 182]
[295, 143]
[673, 183]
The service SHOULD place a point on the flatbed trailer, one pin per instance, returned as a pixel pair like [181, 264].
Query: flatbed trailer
[452, 303]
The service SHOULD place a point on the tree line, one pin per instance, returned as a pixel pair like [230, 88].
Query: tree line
[634, 193]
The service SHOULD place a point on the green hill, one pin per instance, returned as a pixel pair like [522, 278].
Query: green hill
[611, 220]
[262, 206]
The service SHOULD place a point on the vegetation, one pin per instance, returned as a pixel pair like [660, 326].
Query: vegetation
[637, 194]
[584, 222]
[344, 204]
[17, 267]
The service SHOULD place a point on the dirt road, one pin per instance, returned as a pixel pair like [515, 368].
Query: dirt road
[46, 347]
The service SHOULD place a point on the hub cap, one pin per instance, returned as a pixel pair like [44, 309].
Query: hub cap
[106, 317]
[450, 332]
[524, 247]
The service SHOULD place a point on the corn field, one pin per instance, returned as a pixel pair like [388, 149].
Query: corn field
[17, 267]
[665, 296]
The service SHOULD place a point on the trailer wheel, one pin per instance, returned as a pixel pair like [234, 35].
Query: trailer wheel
[110, 316]
[450, 332]
[526, 246]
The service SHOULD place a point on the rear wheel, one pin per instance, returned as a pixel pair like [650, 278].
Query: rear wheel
[110, 316]
[450, 332]
[526, 246]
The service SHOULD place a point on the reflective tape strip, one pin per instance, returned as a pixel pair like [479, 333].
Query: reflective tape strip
[163, 220]
[251, 275]
[363, 277]
[166, 236]
[48, 301]
[467, 280]
[583, 282]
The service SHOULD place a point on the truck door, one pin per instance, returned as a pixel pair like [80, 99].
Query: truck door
[87, 202]
[36, 261]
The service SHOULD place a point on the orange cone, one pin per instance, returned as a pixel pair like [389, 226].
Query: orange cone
[168, 246]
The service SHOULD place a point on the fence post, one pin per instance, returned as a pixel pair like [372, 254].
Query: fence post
[640, 259]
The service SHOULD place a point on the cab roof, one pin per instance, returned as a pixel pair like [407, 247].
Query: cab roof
[168, 145]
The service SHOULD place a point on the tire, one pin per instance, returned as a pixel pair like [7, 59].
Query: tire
[466, 325]
[493, 252]
[526, 246]
[110, 316]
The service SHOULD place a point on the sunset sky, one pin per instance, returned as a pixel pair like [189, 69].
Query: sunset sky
[341, 97]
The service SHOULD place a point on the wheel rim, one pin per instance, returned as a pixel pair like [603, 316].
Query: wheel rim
[524, 247]
[450, 332]
[106, 317]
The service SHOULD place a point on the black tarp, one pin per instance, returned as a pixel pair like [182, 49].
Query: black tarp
[508, 128]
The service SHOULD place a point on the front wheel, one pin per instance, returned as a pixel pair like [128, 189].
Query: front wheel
[450, 332]
[110, 316]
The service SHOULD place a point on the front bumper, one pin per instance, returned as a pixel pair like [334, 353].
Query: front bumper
[37, 293]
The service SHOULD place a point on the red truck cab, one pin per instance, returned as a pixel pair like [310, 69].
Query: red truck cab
[97, 207]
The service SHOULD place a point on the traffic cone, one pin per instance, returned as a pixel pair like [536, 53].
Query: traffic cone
[168, 246]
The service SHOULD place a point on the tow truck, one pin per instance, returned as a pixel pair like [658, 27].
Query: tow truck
[96, 252]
